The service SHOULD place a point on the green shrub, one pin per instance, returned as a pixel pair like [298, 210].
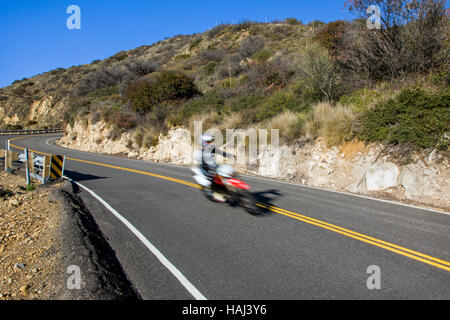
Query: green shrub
[262, 56]
[211, 101]
[104, 92]
[361, 99]
[278, 103]
[252, 102]
[182, 56]
[414, 116]
[315, 23]
[167, 87]
[317, 72]
[16, 127]
[293, 22]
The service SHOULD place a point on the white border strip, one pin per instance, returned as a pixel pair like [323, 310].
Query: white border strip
[185, 282]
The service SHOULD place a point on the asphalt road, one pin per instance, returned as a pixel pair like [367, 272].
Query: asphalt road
[320, 248]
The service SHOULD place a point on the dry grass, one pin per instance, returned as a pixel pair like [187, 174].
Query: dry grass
[317, 118]
[209, 120]
[334, 124]
[337, 126]
[284, 122]
[232, 121]
[146, 136]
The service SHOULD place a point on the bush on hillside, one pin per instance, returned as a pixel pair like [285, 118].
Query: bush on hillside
[212, 55]
[167, 87]
[123, 120]
[293, 21]
[211, 101]
[115, 75]
[318, 73]
[275, 73]
[278, 103]
[251, 45]
[414, 116]
[331, 36]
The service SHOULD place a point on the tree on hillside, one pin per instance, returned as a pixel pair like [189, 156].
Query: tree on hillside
[316, 69]
[409, 39]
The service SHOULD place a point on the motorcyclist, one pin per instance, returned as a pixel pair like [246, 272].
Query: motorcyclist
[207, 162]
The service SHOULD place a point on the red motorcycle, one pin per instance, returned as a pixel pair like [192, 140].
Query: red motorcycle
[224, 186]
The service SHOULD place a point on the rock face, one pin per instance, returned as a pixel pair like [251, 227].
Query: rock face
[382, 177]
[41, 111]
[354, 167]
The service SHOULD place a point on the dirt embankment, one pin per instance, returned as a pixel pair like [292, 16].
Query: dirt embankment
[29, 240]
[44, 233]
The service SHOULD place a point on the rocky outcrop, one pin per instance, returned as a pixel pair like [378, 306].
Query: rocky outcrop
[42, 112]
[354, 167]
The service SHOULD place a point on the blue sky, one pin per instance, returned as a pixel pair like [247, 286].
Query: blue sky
[35, 38]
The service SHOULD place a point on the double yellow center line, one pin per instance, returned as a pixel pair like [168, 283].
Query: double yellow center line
[439, 263]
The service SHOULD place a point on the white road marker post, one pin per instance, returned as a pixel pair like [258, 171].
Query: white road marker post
[64, 165]
[27, 167]
[6, 160]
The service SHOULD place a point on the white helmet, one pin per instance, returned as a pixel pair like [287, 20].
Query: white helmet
[225, 171]
[208, 138]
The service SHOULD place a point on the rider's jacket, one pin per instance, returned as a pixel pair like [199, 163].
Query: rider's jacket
[208, 157]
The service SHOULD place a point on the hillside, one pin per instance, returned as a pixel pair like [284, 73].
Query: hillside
[309, 81]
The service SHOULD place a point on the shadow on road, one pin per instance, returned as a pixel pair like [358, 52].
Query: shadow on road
[266, 198]
[80, 176]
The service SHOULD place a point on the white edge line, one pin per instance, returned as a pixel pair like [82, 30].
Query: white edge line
[185, 282]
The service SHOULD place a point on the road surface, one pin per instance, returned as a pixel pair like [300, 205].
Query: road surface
[308, 244]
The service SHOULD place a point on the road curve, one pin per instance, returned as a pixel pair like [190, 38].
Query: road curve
[308, 244]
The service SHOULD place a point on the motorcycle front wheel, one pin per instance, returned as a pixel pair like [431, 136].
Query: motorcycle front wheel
[208, 193]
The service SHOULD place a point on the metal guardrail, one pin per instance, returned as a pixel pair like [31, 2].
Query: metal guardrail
[38, 168]
[26, 132]
[43, 169]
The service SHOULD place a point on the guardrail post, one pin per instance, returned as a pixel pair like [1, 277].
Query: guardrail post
[64, 165]
[9, 157]
[6, 160]
[46, 169]
[27, 164]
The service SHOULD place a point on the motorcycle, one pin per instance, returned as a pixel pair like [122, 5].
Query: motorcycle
[224, 186]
